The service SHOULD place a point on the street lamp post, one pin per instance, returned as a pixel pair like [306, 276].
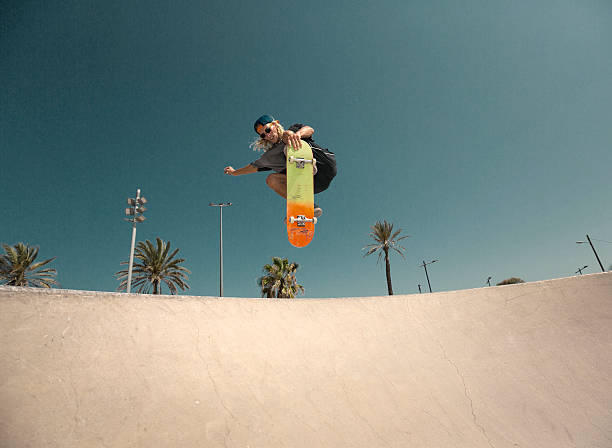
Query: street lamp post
[135, 210]
[594, 251]
[580, 270]
[220, 205]
[424, 265]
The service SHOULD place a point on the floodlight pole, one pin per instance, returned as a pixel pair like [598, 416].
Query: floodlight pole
[220, 205]
[135, 211]
[129, 282]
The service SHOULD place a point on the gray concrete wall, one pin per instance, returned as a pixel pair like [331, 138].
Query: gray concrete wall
[526, 365]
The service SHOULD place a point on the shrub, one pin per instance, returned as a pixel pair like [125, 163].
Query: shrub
[511, 281]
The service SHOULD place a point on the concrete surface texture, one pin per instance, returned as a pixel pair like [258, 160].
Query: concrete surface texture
[526, 365]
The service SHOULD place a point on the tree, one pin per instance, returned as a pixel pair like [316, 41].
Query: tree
[279, 280]
[385, 240]
[511, 281]
[17, 267]
[153, 268]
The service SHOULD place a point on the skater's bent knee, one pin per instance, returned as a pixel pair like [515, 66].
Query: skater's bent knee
[275, 179]
[271, 179]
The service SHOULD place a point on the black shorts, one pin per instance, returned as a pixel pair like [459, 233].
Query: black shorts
[326, 169]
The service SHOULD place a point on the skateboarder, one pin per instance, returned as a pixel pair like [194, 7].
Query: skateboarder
[272, 140]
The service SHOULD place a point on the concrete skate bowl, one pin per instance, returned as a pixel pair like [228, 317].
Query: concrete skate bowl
[526, 365]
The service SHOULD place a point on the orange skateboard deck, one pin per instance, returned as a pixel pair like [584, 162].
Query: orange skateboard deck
[300, 195]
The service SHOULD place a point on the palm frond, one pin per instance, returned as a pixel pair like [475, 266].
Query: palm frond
[385, 239]
[17, 267]
[279, 279]
[153, 267]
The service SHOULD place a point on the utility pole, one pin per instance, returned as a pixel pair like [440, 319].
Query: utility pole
[220, 205]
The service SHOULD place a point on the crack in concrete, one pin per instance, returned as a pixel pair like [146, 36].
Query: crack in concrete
[467, 395]
[228, 432]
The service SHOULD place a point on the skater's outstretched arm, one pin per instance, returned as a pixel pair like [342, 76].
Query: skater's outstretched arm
[240, 171]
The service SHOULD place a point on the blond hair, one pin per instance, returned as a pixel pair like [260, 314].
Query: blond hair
[260, 144]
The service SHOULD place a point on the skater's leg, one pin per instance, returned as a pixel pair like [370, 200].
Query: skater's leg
[278, 183]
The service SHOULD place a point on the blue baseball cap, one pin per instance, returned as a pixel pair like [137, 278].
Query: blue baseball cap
[263, 120]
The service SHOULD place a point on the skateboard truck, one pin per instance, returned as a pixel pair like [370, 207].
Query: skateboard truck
[300, 163]
[301, 220]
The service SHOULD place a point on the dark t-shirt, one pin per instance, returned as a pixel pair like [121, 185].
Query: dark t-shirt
[274, 158]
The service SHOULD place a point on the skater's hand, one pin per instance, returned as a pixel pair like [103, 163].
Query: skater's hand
[240, 171]
[292, 139]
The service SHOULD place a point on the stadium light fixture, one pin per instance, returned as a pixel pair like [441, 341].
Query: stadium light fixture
[136, 211]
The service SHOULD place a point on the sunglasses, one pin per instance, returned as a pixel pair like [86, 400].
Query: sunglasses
[266, 131]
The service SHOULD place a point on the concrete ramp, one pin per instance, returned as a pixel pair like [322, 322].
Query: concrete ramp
[526, 366]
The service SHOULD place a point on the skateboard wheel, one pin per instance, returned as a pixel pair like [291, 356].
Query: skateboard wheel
[314, 220]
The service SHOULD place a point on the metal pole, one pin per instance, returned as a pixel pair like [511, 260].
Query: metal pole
[424, 265]
[581, 269]
[427, 275]
[596, 256]
[221, 251]
[129, 283]
[220, 205]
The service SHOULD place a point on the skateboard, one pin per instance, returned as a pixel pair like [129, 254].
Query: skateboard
[300, 195]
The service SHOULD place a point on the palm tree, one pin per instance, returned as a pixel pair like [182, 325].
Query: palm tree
[279, 280]
[385, 240]
[17, 267]
[153, 267]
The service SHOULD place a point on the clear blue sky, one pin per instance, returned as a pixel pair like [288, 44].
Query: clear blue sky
[481, 128]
